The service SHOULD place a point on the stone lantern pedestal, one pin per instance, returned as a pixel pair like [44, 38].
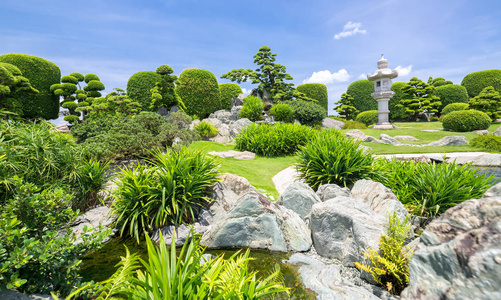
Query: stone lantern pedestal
[382, 92]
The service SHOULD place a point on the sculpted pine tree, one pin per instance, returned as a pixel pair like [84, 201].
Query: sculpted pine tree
[439, 81]
[488, 101]
[345, 107]
[417, 99]
[164, 92]
[11, 82]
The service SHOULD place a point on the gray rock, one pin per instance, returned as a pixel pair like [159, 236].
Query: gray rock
[431, 130]
[497, 132]
[487, 160]
[454, 140]
[237, 184]
[389, 140]
[329, 191]
[326, 280]
[62, 128]
[238, 101]
[96, 217]
[237, 126]
[225, 116]
[235, 111]
[285, 178]
[182, 233]
[356, 134]
[194, 123]
[223, 133]
[216, 122]
[481, 132]
[15, 295]
[299, 197]
[331, 123]
[380, 198]
[493, 191]
[364, 148]
[162, 111]
[405, 138]
[258, 223]
[243, 155]
[372, 139]
[459, 254]
[343, 228]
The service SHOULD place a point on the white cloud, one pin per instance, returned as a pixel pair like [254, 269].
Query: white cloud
[246, 91]
[326, 77]
[362, 76]
[403, 71]
[350, 29]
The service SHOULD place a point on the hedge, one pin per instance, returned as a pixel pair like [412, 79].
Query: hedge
[466, 120]
[451, 93]
[228, 91]
[42, 74]
[139, 86]
[475, 82]
[317, 91]
[199, 91]
[361, 91]
[368, 117]
[397, 114]
[455, 107]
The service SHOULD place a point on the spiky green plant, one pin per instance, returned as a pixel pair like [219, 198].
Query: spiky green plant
[92, 178]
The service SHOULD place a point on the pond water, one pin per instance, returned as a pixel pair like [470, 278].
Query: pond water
[494, 170]
[101, 264]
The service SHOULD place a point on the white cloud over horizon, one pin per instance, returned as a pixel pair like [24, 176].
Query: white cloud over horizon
[362, 76]
[404, 71]
[350, 29]
[326, 77]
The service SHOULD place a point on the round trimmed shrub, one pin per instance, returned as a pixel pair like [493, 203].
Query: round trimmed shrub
[397, 114]
[282, 112]
[367, 117]
[331, 158]
[42, 74]
[78, 76]
[69, 79]
[308, 113]
[252, 108]
[139, 87]
[466, 120]
[361, 91]
[199, 91]
[455, 107]
[451, 93]
[228, 91]
[90, 77]
[317, 91]
[475, 82]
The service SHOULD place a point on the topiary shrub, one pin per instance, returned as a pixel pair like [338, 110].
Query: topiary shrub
[451, 93]
[199, 92]
[252, 108]
[466, 120]
[317, 91]
[42, 74]
[369, 117]
[282, 112]
[361, 91]
[139, 87]
[475, 82]
[205, 130]
[455, 107]
[396, 113]
[308, 113]
[228, 91]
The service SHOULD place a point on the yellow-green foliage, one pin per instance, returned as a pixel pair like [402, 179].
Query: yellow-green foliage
[228, 91]
[199, 91]
[390, 266]
[206, 130]
[317, 91]
[139, 87]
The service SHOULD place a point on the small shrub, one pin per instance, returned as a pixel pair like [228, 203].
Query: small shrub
[487, 142]
[455, 107]
[283, 112]
[206, 130]
[331, 158]
[361, 91]
[228, 91]
[273, 140]
[252, 108]
[367, 117]
[466, 120]
[316, 91]
[308, 113]
[354, 125]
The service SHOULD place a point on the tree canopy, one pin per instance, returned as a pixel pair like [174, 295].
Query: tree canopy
[418, 99]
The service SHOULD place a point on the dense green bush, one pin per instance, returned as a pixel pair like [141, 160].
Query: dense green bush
[308, 113]
[199, 92]
[139, 87]
[487, 142]
[451, 93]
[170, 189]
[475, 82]
[164, 92]
[430, 189]
[252, 108]
[488, 101]
[42, 74]
[94, 126]
[332, 158]
[466, 120]
[361, 91]
[228, 91]
[282, 112]
[316, 91]
[205, 130]
[273, 140]
[369, 117]
[397, 114]
[92, 177]
[354, 125]
[455, 107]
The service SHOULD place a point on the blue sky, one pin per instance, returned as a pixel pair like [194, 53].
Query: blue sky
[332, 42]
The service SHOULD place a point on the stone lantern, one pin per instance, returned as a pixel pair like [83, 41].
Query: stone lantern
[383, 93]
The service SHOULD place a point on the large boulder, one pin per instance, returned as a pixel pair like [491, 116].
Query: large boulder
[285, 178]
[493, 191]
[389, 140]
[225, 116]
[223, 133]
[329, 191]
[238, 101]
[331, 123]
[454, 140]
[15, 295]
[343, 228]
[459, 254]
[98, 218]
[299, 197]
[380, 198]
[237, 126]
[256, 222]
[487, 160]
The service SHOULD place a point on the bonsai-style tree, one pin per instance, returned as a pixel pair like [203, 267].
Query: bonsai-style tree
[488, 101]
[116, 103]
[12, 81]
[418, 99]
[345, 107]
[269, 75]
[439, 81]
[164, 92]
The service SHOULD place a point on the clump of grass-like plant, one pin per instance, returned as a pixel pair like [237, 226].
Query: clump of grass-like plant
[91, 179]
[205, 130]
[331, 158]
